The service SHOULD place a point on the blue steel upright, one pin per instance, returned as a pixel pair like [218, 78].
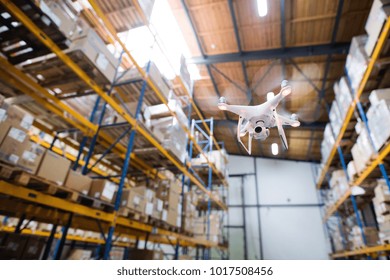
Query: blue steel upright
[126, 165]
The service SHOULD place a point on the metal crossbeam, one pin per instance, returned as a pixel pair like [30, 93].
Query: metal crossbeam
[278, 53]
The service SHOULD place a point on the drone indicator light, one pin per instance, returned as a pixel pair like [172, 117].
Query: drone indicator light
[274, 149]
[222, 107]
[270, 95]
[262, 8]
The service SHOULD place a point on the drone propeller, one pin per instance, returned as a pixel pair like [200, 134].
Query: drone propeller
[281, 130]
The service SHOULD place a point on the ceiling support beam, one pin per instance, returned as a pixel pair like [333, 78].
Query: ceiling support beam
[238, 41]
[278, 53]
[187, 12]
[327, 67]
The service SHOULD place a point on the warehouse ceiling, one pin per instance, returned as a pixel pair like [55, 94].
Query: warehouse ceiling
[242, 56]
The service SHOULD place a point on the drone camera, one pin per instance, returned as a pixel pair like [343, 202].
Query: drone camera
[258, 129]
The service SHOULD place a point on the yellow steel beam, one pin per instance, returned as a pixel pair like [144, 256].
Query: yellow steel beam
[336, 206]
[28, 86]
[160, 95]
[68, 206]
[378, 48]
[70, 157]
[91, 83]
[363, 251]
[51, 201]
[68, 237]
[69, 143]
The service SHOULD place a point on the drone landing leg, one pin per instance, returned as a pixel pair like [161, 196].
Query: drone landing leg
[240, 120]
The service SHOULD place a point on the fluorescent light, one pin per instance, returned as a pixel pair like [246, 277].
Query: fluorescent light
[262, 8]
[275, 149]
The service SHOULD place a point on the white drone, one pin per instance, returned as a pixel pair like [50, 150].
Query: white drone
[258, 119]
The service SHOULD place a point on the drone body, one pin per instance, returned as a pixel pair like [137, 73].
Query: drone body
[256, 120]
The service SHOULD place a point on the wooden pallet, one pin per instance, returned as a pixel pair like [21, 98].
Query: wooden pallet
[95, 203]
[32, 46]
[30, 181]
[7, 171]
[166, 226]
[133, 215]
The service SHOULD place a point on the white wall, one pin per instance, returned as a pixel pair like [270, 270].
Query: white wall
[290, 218]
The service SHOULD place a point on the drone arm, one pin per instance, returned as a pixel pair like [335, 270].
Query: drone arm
[287, 121]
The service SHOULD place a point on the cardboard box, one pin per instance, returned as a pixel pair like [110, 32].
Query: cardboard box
[78, 182]
[31, 157]
[133, 200]
[79, 254]
[375, 21]
[12, 147]
[34, 248]
[13, 247]
[62, 17]
[19, 118]
[146, 192]
[95, 49]
[102, 189]
[380, 94]
[382, 193]
[138, 254]
[54, 168]
[172, 216]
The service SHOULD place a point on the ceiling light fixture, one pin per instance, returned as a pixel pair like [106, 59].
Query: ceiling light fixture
[262, 7]
[275, 149]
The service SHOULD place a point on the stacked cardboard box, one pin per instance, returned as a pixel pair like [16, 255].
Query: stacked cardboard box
[54, 168]
[167, 129]
[103, 189]
[343, 96]
[80, 254]
[149, 197]
[357, 61]
[169, 191]
[327, 143]
[337, 239]
[20, 247]
[338, 183]
[189, 204]
[134, 200]
[351, 169]
[208, 228]
[139, 254]
[378, 116]
[362, 151]
[15, 124]
[218, 157]
[154, 74]
[61, 14]
[94, 48]
[381, 203]
[78, 182]
[335, 118]
[355, 237]
[380, 11]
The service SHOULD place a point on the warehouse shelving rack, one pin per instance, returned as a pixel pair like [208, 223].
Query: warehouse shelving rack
[90, 129]
[376, 161]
